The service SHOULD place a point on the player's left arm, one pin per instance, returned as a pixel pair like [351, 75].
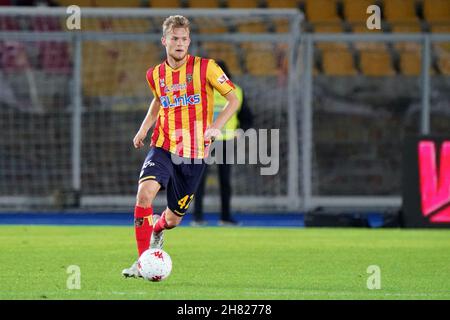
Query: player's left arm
[228, 110]
[220, 81]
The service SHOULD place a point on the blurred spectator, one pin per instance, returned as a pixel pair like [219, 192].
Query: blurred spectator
[7, 95]
[242, 119]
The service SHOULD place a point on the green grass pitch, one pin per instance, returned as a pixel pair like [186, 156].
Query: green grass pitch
[227, 263]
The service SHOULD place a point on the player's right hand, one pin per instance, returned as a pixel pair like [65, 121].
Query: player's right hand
[138, 139]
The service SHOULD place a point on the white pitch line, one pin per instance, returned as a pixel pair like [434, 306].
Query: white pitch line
[266, 293]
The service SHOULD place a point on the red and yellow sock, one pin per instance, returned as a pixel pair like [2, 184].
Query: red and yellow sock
[161, 224]
[143, 227]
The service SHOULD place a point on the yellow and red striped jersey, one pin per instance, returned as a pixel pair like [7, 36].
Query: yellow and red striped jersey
[187, 104]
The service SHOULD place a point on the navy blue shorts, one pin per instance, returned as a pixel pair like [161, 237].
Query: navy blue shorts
[181, 180]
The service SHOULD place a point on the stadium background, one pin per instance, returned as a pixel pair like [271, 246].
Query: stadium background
[344, 98]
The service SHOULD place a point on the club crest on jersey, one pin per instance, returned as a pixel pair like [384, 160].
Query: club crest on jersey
[184, 100]
[162, 83]
[222, 79]
[189, 78]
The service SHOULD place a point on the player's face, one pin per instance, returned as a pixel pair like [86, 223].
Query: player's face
[177, 42]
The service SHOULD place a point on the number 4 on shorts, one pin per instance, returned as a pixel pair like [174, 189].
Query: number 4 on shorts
[185, 201]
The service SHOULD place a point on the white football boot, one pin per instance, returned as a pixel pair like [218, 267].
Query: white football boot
[157, 239]
[132, 272]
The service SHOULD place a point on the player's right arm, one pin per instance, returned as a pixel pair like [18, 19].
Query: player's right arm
[149, 121]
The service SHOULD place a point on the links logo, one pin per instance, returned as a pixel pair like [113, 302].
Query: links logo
[183, 100]
[435, 181]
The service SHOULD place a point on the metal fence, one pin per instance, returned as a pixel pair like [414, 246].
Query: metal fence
[351, 166]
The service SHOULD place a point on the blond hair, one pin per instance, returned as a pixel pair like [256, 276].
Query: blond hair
[175, 22]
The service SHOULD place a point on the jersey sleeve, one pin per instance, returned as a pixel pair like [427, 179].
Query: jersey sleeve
[218, 79]
[151, 81]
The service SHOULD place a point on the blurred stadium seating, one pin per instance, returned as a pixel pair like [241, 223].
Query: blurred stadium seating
[204, 3]
[118, 3]
[273, 4]
[436, 11]
[321, 11]
[322, 16]
[354, 10]
[224, 51]
[240, 4]
[81, 3]
[400, 11]
[164, 3]
[205, 25]
[442, 49]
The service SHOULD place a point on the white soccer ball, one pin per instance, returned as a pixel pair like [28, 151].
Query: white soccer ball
[155, 264]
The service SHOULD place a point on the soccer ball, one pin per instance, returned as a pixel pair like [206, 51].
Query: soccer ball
[155, 265]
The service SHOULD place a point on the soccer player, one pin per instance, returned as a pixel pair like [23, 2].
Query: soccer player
[182, 107]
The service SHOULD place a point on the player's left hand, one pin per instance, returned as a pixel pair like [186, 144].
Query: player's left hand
[211, 134]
